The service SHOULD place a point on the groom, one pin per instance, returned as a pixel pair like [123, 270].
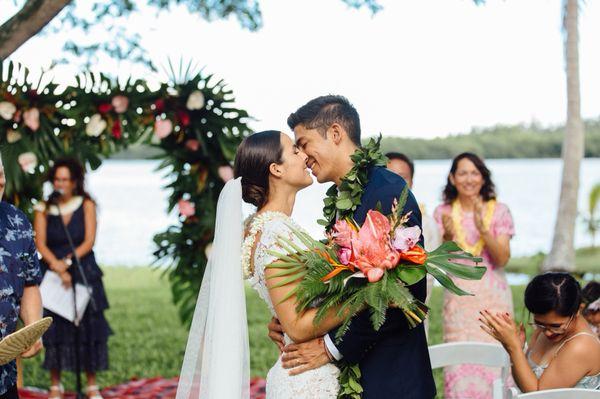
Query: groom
[394, 361]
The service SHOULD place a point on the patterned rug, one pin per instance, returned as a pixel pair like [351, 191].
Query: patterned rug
[148, 388]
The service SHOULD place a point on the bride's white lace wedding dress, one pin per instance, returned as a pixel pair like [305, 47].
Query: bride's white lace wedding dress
[321, 383]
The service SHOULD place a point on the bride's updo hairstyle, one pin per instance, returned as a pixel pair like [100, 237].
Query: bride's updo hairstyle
[252, 160]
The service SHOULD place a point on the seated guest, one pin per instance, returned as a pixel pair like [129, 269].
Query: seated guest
[591, 305]
[563, 351]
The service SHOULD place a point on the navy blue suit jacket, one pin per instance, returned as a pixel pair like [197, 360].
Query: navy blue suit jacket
[394, 361]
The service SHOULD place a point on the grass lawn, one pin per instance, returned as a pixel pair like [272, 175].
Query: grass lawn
[587, 260]
[149, 341]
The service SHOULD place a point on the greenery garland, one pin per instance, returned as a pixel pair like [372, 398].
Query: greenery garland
[341, 202]
[190, 119]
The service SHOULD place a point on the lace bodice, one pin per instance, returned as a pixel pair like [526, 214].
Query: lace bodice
[267, 226]
[321, 383]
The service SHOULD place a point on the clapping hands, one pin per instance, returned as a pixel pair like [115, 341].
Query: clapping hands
[503, 328]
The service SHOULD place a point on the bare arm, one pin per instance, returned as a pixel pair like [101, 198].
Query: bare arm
[299, 327]
[31, 305]
[578, 358]
[498, 247]
[522, 373]
[89, 214]
[31, 311]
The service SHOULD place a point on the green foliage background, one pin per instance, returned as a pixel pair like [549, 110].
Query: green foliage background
[501, 141]
[202, 141]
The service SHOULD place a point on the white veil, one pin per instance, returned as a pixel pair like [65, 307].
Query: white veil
[217, 356]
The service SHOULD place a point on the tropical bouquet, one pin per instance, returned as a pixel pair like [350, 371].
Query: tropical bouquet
[368, 267]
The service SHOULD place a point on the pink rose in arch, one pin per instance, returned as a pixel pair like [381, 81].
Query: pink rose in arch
[186, 208]
[28, 162]
[31, 118]
[162, 128]
[192, 145]
[226, 173]
[120, 103]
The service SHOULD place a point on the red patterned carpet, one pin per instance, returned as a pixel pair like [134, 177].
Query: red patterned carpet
[149, 388]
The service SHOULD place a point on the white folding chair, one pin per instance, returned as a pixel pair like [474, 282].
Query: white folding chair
[563, 393]
[455, 353]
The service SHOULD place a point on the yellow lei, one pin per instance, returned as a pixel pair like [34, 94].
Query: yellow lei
[460, 235]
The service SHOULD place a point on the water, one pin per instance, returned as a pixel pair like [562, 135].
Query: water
[132, 203]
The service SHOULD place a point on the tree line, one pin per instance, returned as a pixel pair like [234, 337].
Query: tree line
[500, 141]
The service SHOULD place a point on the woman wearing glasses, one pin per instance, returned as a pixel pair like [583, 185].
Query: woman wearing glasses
[563, 351]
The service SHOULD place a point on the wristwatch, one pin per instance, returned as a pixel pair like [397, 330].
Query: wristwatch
[68, 262]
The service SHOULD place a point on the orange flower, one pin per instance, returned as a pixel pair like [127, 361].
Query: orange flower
[416, 255]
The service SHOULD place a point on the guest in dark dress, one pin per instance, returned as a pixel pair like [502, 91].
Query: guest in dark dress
[79, 214]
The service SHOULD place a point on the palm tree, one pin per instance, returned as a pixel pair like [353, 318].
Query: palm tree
[562, 254]
[592, 220]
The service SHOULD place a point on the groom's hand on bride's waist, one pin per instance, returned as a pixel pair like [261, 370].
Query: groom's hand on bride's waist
[276, 333]
[306, 356]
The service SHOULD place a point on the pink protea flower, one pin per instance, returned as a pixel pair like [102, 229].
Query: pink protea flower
[162, 128]
[192, 145]
[406, 237]
[31, 118]
[186, 208]
[225, 173]
[372, 249]
[343, 234]
[120, 103]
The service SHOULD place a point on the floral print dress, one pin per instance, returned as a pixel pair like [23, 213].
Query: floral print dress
[19, 268]
[460, 315]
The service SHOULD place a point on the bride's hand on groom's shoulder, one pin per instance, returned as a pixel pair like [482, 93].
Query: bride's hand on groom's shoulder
[310, 355]
[276, 333]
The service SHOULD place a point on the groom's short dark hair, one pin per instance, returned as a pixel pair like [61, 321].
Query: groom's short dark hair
[322, 112]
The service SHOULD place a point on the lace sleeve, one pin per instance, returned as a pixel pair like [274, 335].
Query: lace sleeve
[271, 233]
[268, 227]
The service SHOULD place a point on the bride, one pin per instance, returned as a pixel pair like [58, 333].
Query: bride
[269, 170]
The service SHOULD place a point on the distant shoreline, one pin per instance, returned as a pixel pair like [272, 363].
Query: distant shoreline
[497, 142]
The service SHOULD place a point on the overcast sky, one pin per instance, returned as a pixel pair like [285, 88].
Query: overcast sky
[418, 68]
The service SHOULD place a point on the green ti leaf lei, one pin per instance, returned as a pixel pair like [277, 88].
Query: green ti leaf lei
[342, 201]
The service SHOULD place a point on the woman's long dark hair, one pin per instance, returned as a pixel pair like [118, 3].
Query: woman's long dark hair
[76, 171]
[556, 291]
[252, 160]
[488, 191]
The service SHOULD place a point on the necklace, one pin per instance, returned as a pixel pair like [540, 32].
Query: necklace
[459, 231]
[341, 201]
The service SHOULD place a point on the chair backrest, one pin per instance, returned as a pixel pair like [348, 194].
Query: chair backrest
[564, 393]
[455, 353]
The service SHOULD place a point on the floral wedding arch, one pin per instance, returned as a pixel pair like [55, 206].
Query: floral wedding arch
[193, 122]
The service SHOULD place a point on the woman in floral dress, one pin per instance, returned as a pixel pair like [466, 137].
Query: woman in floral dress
[471, 216]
